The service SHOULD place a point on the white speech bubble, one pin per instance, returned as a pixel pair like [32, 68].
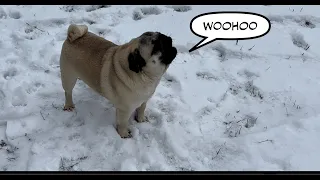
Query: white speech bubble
[228, 25]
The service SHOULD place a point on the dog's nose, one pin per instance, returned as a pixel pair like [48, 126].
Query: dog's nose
[165, 40]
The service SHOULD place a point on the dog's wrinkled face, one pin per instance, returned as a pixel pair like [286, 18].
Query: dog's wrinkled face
[154, 53]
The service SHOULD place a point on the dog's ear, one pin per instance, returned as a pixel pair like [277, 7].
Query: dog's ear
[136, 61]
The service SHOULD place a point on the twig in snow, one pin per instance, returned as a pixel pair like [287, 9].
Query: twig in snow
[11, 159]
[267, 140]
[37, 28]
[241, 120]
[251, 48]
[42, 115]
[308, 46]
[239, 130]
[301, 9]
[65, 167]
[288, 57]
[54, 106]
[237, 42]
[217, 153]
[268, 68]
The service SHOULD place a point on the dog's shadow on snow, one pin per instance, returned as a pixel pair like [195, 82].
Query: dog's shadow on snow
[93, 108]
[93, 111]
[90, 108]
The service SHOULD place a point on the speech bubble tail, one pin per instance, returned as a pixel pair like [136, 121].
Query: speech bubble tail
[193, 48]
[201, 44]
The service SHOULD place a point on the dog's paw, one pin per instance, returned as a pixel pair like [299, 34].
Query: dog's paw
[68, 108]
[142, 119]
[124, 133]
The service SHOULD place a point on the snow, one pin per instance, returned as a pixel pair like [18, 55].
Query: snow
[251, 105]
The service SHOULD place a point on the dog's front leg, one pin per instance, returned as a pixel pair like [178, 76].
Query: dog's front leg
[140, 117]
[122, 117]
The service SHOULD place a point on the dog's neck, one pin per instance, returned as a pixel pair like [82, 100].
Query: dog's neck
[154, 75]
[131, 79]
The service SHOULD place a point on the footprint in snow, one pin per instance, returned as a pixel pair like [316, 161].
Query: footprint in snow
[205, 75]
[247, 87]
[304, 21]
[248, 74]
[180, 8]
[172, 82]
[234, 125]
[298, 40]
[10, 73]
[3, 14]
[96, 7]
[14, 14]
[145, 11]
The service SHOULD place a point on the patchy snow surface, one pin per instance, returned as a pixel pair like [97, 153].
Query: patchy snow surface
[251, 105]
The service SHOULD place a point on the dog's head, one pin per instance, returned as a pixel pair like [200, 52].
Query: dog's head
[153, 53]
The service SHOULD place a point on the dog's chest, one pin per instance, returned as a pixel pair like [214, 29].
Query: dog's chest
[147, 91]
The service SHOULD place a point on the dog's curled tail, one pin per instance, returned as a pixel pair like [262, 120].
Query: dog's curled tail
[76, 31]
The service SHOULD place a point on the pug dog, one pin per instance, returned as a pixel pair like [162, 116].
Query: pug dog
[127, 75]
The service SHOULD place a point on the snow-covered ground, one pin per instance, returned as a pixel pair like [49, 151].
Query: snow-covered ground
[251, 105]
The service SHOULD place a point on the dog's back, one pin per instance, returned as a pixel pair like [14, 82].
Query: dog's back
[82, 55]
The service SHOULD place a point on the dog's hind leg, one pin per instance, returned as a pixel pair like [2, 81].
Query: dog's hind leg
[123, 122]
[69, 79]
